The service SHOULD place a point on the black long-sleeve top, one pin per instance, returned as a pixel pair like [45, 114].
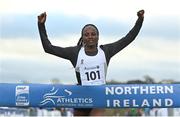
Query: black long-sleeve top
[71, 53]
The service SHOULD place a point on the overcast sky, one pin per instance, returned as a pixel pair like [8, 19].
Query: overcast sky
[155, 52]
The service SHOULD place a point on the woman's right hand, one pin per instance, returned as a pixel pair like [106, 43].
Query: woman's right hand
[42, 18]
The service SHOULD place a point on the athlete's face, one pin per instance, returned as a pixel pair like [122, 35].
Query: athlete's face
[90, 36]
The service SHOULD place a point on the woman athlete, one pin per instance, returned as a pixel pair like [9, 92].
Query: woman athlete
[89, 59]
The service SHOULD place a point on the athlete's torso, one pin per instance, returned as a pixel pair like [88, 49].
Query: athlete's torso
[92, 69]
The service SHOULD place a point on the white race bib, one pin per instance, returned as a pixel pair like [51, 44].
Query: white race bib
[92, 74]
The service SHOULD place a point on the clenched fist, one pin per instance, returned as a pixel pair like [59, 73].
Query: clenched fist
[42, 18]
[140, 13]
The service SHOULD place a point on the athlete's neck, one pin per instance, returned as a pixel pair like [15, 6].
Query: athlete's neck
[91, 50]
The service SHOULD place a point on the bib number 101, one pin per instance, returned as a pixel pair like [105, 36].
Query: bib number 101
[93, 75]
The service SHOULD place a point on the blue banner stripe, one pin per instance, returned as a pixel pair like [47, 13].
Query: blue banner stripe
[104, 96]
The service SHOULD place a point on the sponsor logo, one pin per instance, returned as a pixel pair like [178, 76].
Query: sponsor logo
[22, 95]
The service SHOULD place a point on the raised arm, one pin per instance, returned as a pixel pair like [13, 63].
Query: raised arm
[43, 35]
[66, 53]
[113, 48]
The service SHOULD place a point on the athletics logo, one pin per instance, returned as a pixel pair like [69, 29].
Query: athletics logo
[52, 96]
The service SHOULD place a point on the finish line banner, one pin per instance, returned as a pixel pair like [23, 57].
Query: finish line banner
[104, 96]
